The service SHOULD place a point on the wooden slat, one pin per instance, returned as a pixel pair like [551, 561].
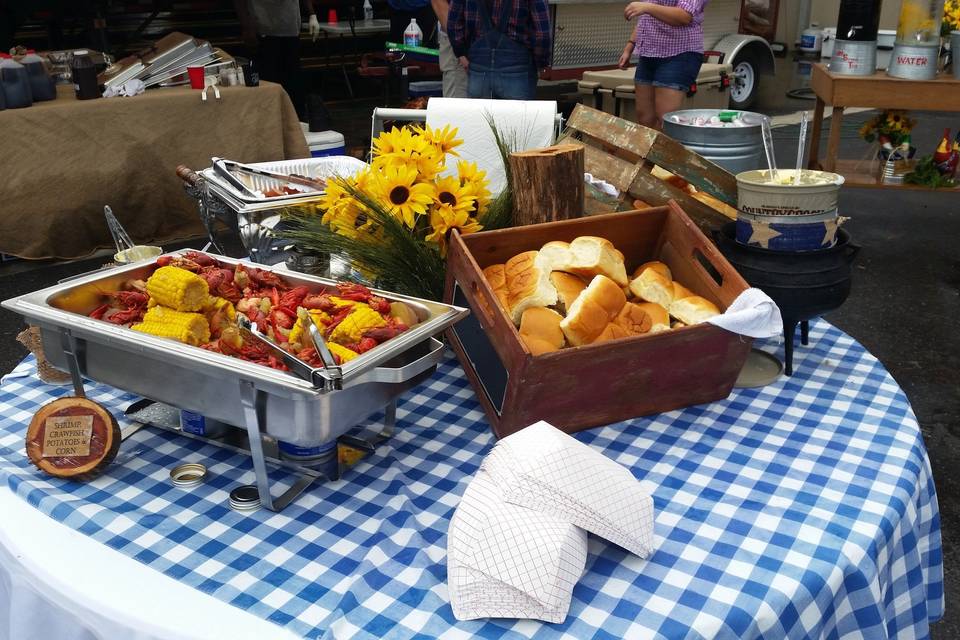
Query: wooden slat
[657, 192]
[629, 136]
[694, 168]
[612, 169]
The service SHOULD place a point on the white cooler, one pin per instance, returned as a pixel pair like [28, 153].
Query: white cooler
[612, 90]
[323, 143]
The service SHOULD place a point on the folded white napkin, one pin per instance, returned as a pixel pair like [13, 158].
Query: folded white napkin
[752, 314]
[505, 561]
[544, 469]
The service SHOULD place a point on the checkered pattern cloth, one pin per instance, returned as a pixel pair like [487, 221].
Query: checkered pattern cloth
[802, 509]
[657, 39]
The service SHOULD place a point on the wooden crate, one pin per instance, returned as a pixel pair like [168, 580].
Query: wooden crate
[623, 153]
[580, 387]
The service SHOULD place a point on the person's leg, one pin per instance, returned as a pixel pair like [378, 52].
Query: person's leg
[645, 105]
[292, 76]
[268, 59]
[666, 100]
[643, 91]
[454, 75]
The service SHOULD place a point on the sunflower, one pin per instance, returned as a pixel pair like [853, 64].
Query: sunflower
[403, 195]
[452, 194]
[389, 142]
[444, 140]
[335, 196]
[345, 219]
[443, 218]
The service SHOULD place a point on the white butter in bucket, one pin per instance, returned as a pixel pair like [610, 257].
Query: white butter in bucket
[137, 253]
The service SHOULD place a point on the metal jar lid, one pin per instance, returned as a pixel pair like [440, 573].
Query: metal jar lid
[188, 475]
[245, 498]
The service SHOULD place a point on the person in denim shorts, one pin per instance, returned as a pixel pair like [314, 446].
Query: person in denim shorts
[669, 42]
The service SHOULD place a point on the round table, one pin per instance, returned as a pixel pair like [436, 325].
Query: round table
[804, 508]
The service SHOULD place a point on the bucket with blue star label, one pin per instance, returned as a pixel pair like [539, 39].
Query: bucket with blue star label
[787, 212]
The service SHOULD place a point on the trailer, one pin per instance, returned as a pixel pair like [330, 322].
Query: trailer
[590, 34]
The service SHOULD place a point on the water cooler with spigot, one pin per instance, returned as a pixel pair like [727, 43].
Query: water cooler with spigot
[917, 48]
[855, 47]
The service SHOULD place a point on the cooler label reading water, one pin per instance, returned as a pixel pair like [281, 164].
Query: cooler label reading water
[67, 436]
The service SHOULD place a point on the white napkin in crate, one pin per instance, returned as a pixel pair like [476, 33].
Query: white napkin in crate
[504, 561]
[544, 469]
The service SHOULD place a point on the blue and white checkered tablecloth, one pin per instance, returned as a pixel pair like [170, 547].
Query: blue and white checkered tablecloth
[803, 509]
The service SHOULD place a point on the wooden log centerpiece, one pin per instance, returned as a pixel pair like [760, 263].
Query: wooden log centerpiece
[547, 184]
[73, 438]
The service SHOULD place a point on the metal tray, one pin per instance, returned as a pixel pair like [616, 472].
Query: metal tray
[324, 167]
[226, 388]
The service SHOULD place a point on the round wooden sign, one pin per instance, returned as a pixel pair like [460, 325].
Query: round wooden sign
[73, 438]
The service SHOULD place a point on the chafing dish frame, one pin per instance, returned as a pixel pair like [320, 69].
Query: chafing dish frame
[255, 397]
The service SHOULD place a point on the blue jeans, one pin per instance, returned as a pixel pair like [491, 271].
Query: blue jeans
[502, 69]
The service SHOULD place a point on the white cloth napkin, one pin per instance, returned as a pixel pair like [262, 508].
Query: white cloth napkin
[601, 185]
[752, 314]
[544, 469]
[505, 561]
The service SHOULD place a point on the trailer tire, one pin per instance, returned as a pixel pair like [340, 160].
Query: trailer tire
[745, 83]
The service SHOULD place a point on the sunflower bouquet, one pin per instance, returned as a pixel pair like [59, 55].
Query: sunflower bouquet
[951, 18]
[394, 218]
[891, 128]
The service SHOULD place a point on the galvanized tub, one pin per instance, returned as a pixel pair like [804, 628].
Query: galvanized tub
[735, 147]
[217, 386]
[854, 57]
[782, 216]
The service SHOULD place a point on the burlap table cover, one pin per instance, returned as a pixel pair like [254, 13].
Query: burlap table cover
[62, 161]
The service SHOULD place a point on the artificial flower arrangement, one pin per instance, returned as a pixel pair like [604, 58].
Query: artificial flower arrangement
[890, 129]
[394, 218]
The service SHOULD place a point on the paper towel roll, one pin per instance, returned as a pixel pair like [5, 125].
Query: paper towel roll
[523, 124]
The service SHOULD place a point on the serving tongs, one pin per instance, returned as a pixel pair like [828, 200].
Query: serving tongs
[220, 168]
[331, 377]
[231, 165]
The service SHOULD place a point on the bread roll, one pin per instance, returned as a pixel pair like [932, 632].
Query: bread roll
[680, 291]
[591, 256]
[611, 332]
[497, 279]
[592, 311]
[659, 318]
[656, 265]
[634, 319]
[693, 309]
[652, 286]
[568, 287]
[540, 330]
[527, 285]
[640, 204]
[553, 254]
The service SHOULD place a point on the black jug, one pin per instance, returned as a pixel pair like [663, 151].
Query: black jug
[41, 84]
[84, 76]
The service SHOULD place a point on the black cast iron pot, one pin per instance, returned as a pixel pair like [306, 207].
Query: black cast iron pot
[804, 284]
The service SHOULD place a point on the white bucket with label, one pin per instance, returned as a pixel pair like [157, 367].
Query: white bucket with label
[783, 216]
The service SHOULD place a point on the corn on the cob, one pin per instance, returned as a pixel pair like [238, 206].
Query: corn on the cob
[345, 355]
[190, 328]
[360, 319]
[178, 289]
[299, 328]
[216, 303]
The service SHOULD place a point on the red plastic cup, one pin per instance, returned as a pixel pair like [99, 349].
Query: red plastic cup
[332, 16]
[196, 76]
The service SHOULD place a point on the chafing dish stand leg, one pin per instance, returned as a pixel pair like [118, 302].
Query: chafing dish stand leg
[253, 409]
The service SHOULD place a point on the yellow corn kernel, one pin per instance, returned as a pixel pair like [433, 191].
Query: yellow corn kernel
[189, 328]
[178, 289]
[360, 319]
[345, 355]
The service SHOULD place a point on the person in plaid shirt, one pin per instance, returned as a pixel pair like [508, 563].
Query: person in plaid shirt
[669, 42]
[503, 44]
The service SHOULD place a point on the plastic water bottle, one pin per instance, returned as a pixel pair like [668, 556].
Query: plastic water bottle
[412, 35]
[367, 11]
[41, 84]
[15, 83]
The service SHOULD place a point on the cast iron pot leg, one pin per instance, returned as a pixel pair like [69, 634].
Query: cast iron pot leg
[805, 332]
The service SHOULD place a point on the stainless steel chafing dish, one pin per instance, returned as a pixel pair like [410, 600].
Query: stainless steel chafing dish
[241, 393]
